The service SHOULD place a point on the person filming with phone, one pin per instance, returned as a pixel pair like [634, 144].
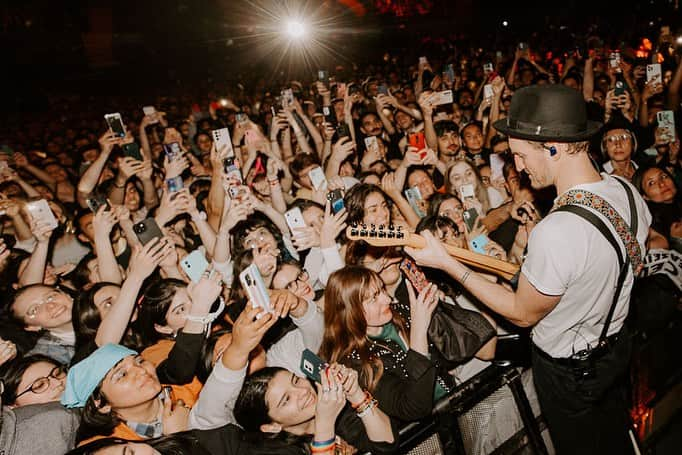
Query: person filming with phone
[574, 286]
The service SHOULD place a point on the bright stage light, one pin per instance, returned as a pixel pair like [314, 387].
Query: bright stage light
[295, 29]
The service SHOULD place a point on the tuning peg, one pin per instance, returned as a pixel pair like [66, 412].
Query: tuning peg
[373, 227]
[364, 226]
[382, 227]
[354, 224]
[391, 226]
[400, 228]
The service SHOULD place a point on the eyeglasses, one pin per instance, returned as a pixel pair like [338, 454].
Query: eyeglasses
[301, 278]
[32, 312]
[617, 138]
[41, 385]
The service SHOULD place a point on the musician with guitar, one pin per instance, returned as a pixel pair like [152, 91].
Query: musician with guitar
[574, 286]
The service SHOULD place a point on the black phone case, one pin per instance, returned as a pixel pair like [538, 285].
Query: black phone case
[146, 230]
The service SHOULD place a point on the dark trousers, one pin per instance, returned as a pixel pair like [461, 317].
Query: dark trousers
[586, 416]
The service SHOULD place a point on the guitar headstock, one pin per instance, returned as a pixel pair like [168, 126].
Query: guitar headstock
[378, 235]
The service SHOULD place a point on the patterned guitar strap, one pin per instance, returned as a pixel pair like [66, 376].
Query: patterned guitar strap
[626, 233]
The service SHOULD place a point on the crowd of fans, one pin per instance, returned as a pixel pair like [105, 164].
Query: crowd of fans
[111, 339]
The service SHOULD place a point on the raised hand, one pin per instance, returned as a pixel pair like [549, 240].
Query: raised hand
[146, 258]
[333, 224]
[285, 302]
[103, 222]
[176, 166]
[432, 255]
[128, 166]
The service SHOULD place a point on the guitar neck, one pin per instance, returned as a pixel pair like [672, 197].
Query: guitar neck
[482, 262]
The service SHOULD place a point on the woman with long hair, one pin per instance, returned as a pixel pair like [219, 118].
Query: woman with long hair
[388, 341]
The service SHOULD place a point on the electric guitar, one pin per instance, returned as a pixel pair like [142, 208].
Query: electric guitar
[392, 236]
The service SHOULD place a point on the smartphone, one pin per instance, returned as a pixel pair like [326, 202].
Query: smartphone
[488, 91]
[329, 115]
[335, 199]
[312, 366]
[342, 130]
[444, 97]
[470, 216]
[488, 68]
[172, 150]
[96, 201]
[666, 121]
[614, 59]
[383, 89]
[523, 46]
[317, 178]
[478, 244]
[287, 97]
[222, 141]
[231, 169]
[294, 219]
[417, 140]
[253, 284]
[147, 230]
[323, 76]
[149, 110]
[238, 192]
[423, 60]
[175, 184]
[414, 197]
[115, 123]
[132, 150]
[653, 73]
[371, 144]
[467, 191]
[40, 211]
[620, 88]
[496, 167]
[194, 265]
[414, 274]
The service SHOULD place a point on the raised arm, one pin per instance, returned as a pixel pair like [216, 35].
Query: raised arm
[90, 177]
[142, 263]
[34, 273]
[21, 162]
[103, 222]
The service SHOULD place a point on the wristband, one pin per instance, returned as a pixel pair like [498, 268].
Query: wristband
[368, 397]
[324, 443]
[465, 276]
[209, 318]
[367, 408]
[330, 448]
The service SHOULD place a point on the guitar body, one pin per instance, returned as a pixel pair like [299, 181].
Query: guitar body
[390, 236]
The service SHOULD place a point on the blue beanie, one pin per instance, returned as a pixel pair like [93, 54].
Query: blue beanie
[85, 376]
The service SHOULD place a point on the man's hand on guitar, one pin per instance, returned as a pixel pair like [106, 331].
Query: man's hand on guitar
[433, 254]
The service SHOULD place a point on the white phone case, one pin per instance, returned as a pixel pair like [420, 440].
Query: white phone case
[488, 91]
[149, 110]
[317, 178]
[223, 141]
[653, 73]
[294, 219]
[444, 97]
[371, 144]
[253, 284]
[40, 210]
[467, 191]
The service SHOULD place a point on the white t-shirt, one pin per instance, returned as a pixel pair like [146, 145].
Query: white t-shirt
[569, 257]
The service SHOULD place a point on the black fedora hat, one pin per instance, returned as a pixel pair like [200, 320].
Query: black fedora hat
[548, 113]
